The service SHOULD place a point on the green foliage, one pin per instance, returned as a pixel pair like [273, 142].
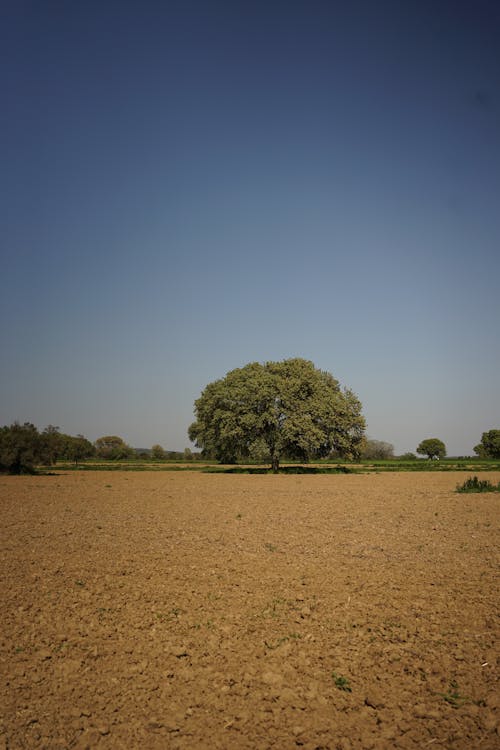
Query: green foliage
[21, 448]
[113, 448]
[282, 470]
[157, 452]
[489, 447]
[453, 696]
[377, 450]
[473, 484]
[342, 683]
[52, 442]
[76, 448]
[408, 457]
[277, 409]
[432, 448]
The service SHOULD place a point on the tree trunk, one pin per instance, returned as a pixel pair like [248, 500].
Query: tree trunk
[275, 464]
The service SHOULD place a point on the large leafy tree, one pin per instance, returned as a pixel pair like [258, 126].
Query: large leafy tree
[489, 447]
[275, 410]
[432, 448]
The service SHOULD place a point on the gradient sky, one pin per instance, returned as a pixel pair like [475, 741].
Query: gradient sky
[190, 186]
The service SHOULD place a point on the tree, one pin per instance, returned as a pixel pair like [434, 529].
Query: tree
[432, 448]
[274, 410]
[113, 448]
[489, 447]
[158, 452]
[21, 448]
[377, 449]
[77, 448]
[52, 442]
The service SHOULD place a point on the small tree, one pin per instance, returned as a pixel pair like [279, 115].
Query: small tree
[489, 447]
[77, 448]
[113, 448]
[52, 444]
[432, 448]
[377, 449]
[21, 448]
[158, 452]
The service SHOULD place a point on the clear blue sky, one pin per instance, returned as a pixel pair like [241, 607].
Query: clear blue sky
[190, 186]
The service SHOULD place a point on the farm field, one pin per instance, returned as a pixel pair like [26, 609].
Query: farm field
[186, 610]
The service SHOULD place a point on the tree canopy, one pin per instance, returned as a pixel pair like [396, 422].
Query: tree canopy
[489, 447]
[113, 448]
[21, 448]
[277, 409]
[432, 448]
[376, 449]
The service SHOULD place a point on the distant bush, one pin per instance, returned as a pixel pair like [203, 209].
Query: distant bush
[408, 457]
[158, 452]
[473, 484]
[113, 448]
[376, 450]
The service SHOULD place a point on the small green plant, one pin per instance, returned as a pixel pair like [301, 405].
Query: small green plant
[270, 547]
[473, 484]
[342, 683]
[453, 697]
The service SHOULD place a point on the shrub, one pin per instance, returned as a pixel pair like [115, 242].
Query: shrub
[473, 484]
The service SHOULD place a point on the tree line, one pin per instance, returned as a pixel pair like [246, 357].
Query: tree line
[23, 447]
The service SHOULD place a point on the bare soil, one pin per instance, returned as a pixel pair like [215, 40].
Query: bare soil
[187, 610]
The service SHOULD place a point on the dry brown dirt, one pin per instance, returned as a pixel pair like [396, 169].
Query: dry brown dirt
[187, 610]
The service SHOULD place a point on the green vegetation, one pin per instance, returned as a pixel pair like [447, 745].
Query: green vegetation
[113, 448]
[23, 447]
[294, 469]
[270, 547]
[277, 410]
[158, 452]
[376, 449]
[24, 450]
[473, 484]
[342, 683]
[453, 697]
[433, 448]
[489, 447]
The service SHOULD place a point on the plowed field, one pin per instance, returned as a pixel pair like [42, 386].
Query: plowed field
[186, 610]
